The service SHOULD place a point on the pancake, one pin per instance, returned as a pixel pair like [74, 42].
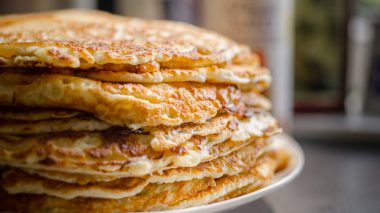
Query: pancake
[252, 99]
[255, 100]
[16, 181]
[243, 190]
[119, 152]
[124, 152]
[246, 124]
[33, 114]
[78, 123]
[249, 74]
[132, 105]
[165, 137]
[277, 151]
[154, 196]
[228, 184]
[87, 39]
[259, 175]
[230, 164]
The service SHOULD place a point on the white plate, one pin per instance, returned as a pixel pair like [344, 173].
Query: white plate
[281, 179]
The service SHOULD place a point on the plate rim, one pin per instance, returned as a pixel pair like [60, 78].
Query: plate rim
[280, 180]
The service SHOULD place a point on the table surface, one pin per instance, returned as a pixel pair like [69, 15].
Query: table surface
[337, 177]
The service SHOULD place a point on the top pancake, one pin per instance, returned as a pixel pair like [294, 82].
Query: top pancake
[90, 39]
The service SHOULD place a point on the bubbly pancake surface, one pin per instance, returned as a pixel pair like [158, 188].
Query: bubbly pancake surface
[83, 39]
[132, 105]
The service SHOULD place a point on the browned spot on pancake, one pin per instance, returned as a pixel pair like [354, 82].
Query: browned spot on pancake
[116, 134]
[134, 149]
[69, 135]
[49, 160]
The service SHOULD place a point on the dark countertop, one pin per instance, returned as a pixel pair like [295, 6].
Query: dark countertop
[338, 177]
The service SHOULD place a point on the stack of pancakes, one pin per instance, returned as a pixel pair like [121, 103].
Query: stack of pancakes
[112, 114]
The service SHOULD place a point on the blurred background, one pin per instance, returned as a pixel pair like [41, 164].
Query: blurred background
[325, 60]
